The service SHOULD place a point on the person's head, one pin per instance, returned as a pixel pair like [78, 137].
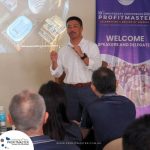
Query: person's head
[137, 135]
[55, 100]
[28, 112]
[103, 81]
[74, 27]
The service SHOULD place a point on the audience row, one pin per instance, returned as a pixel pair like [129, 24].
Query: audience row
[44, 118]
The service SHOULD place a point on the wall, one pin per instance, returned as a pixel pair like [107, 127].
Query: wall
[29, 68]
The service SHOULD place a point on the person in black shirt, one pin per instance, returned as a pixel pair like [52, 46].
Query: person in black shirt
[58, 126]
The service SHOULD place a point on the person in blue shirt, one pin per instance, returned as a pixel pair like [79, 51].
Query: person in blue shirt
[110, 114]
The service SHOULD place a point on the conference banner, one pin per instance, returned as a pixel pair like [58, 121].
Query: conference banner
[123, 38]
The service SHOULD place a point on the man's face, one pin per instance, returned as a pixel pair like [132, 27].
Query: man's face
[74, 29]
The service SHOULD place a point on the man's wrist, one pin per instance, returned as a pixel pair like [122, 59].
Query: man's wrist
[84, 56]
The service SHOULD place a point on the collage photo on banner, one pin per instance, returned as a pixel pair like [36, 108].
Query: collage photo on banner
[122, 35]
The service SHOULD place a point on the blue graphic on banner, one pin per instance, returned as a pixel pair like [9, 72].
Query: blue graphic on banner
[123, 29]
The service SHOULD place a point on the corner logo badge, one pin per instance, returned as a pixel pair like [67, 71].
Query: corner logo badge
[15, 140]
[126, 2]
[3, 142]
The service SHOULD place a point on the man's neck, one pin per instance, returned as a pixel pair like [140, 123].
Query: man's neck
[75, 41]
[33, 133]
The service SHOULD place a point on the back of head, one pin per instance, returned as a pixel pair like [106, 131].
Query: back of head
[27, 110]
[55, 100]
[137, 135]
[104, 80]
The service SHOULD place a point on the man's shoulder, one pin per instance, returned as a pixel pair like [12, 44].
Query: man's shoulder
[116, 98]
[45, 143]
[121, 97]
[120, 100]
[104, 100]
[89, 42]
[96, 103]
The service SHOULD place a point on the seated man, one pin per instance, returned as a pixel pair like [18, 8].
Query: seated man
[110, 114]
[137, 135]
[28, 113]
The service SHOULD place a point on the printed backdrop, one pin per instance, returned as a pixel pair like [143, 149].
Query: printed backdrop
[123, 37]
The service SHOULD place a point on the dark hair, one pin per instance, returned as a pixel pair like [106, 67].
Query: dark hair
[137, 135]
[75, 18]
[104, 80]
[55, 99]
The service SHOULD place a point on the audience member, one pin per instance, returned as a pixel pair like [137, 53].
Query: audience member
[58, 125]
[78, 59]
[137, 134]
[110, 114]
[28, 113]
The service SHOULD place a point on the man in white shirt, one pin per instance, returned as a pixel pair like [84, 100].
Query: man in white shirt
[78, 59]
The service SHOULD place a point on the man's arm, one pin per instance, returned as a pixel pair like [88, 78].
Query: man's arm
[82, 55]
[86, 123]
[104, 64]
[54, 57]
[55, 68]
[84, 131]
[94, 57]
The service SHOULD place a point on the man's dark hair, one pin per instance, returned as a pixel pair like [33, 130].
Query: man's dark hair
[137, 135]
[75, 18]
[104, 80]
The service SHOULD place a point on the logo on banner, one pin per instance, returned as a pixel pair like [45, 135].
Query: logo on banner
[15, 140]
[126, 2]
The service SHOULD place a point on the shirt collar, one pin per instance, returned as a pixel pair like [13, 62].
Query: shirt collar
[81, 43]
[109, 94]
[41, 137]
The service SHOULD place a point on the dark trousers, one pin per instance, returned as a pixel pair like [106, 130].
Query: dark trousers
[78, 97]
